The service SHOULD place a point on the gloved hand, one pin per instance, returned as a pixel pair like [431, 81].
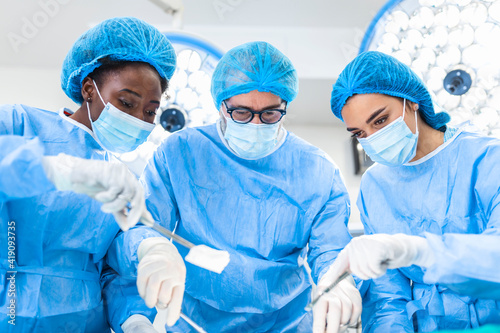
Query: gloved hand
[338, 308]
[138, 324]
[108, 182]
[370, 256]
[161, 276]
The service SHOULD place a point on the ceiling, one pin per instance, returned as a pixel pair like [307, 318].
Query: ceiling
[319, 36]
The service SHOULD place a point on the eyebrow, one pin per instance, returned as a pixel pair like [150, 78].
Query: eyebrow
[274, 106]
[136, 94]
[370, 119]
[132, 92]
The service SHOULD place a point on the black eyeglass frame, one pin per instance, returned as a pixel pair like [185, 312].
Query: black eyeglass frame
[230, 111]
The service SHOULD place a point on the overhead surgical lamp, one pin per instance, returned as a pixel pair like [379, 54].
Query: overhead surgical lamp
[189, 88]
[453, 45]
[172, 119]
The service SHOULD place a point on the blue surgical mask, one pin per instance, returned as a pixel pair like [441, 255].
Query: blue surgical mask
[393, 145]
[117, 131]
[251, 141]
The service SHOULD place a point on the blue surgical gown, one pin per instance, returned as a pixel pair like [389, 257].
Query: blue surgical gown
[453, 190]
[267, 213]
[20, 158]
[463, 262]
[61, 237]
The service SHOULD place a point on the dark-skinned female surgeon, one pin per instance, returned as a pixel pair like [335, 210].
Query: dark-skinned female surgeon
[430, 180]
[117, 71]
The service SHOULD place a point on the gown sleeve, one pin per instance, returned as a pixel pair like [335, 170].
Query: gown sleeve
[329, 232]
[119, 280]
[21, 171]
[465, 262]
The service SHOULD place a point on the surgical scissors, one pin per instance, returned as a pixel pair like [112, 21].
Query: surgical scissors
[310, 306]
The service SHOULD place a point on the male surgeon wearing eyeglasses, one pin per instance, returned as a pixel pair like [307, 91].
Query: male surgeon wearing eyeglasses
[248, 186]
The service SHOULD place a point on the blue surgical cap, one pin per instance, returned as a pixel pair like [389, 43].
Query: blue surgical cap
[375, 72]
[254, 66]
[117, 39]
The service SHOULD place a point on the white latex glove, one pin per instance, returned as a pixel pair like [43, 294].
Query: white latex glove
[108, 182]
[161, 276]
[338, 308]
[138, 324]
[370, 256]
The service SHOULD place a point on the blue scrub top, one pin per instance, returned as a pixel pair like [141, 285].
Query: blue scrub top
[61, 238]
[453, 190]
[267, 213]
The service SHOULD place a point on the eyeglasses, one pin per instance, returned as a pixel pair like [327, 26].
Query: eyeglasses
[243, 115]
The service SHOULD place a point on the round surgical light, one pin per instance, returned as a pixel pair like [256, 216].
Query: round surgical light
[172, 119]
[457, 82]
[453, 45]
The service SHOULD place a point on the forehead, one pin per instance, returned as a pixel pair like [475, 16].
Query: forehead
[255, 99]
[137, 76]
[361, 105]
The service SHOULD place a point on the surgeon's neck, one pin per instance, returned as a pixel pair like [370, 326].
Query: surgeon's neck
[429, 139]
[81, 116]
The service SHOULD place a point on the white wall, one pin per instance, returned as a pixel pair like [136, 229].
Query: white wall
[33, 86]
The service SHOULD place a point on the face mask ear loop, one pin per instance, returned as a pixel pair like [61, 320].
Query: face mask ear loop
[416, 121]
[98, 93]
[88, 113]
[404, 108]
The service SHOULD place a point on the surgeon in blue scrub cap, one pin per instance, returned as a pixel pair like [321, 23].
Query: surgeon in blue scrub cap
[433, 190]
[52, 166]
[248, 186]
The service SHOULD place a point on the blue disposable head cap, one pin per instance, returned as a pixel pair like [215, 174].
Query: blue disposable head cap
[254, 66]
[116, 39]
[375, 72]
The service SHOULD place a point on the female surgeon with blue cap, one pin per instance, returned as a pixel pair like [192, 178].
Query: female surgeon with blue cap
[430, 180]
[51, 281]
[247, 186]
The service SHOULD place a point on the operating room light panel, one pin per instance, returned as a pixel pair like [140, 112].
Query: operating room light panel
[437, 37]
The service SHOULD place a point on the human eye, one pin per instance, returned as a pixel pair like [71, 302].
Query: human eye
[151, 113]
[380, 121]
[126, 103]
[356, 134]
[270, 113]
[240, 111]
